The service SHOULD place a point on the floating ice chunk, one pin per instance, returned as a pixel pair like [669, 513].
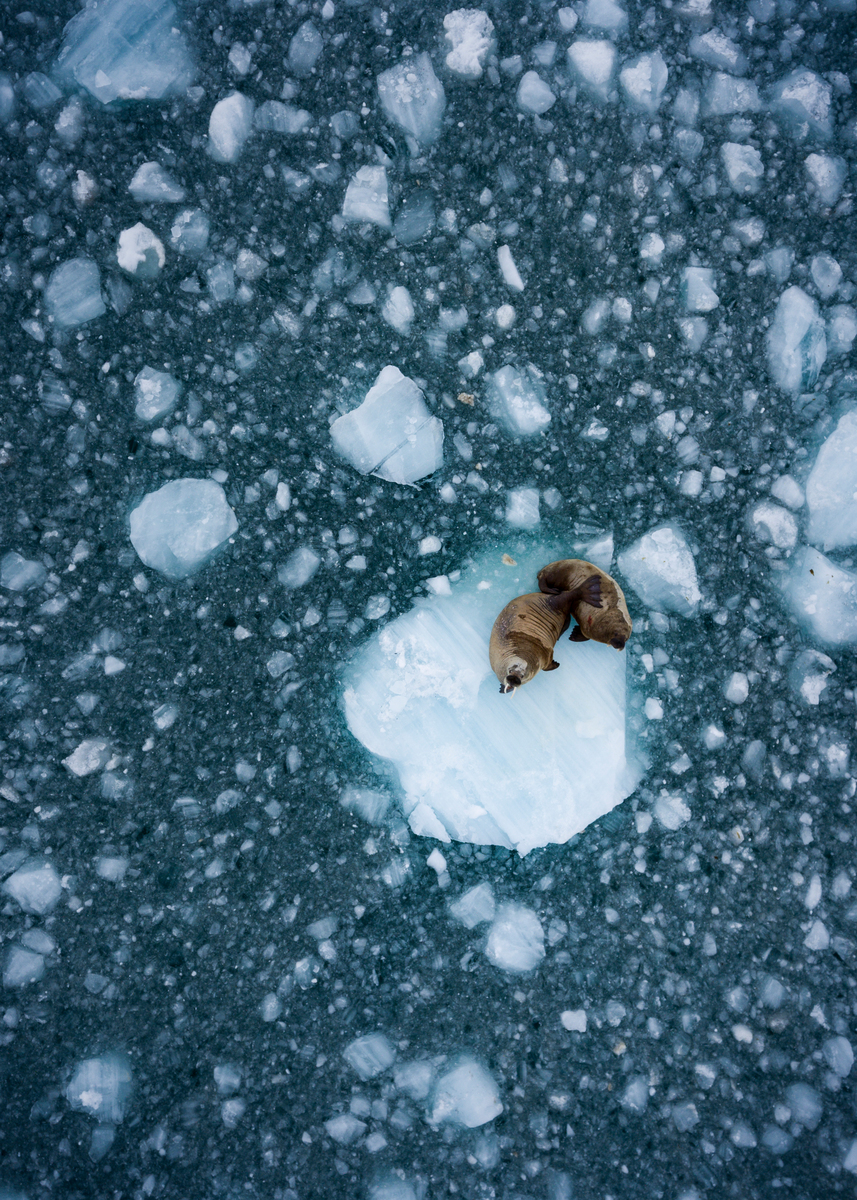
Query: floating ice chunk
[398, 309]
[101, 1087]
[592, 62]
[19, 574]
[509, 270]
[156, 393]
[412, 96]
[522, 508]
[140, 252]
[415, 218]
[822, 597]
[694, 331]
[826, 274]
[635, 1097]
[644, 79]
[189, 234]
[35, 886]
[111, 868]
[345, 1128]
[839, 1056]
[652, 247]
[827, 174]
[534, 95]
[391, 434]
[517, 400]
[774, 524]
[660, 569]
[126, 50]
[304, 49]
[366, 197]
[465, 1095]
[605, 15]
[299, 568]
[724, 96]
[272, 116]
[153, 183]
[470, 33]
[73, 295]
[841, 329]
[831, 489]
[229, 126]
[178, 528]
[422, 694]
[697, 286]
[796, 342]
[743, 166]
[371, 805]
[220, 278]
[788, 492]
[737, 688]
[808, 675]
[370, 1055]
[779, 262]
[671, 811]
[716, 50]
[803, 100]
[516, 940]
[475, 906]
[805, 1104]
[392, 1188]
[90, 756]
[22, 966]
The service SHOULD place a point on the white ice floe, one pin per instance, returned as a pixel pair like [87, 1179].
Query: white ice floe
[697, 287]
[413, 98]
[465, 1095]
[35, 886]
[178, 528]
[744, 167]
[831, 489]
[155, 393]
[644, 80]
[516, 940]
[305, 48]
[229, 126]
[717, 50]
[803, 101]
[518, 771]
[661, 570]
[398, 310]
[140, 252]
[826, 174]
[796, 343]
[87, 758]
[821, 596]
[366, 197]
[517, 400]
[771, 523]
[391, 434]
[725, 96]
[470, 33]
[153, 184]
[73, 295]
[593, 63]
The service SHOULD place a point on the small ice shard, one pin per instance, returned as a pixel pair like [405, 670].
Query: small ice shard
[671, 810]
[826, 274]
[516, 399]
[415, 218]
[189, 233]
[345, 1128]
[779, 262]
[413, 98]
[803, 100]
[156, 393]
[87, 758]
[716, 50]
[304, 50]
[822, 597]
[126, 50]
[725, 96]
[101, 1087]
[229, 126]
[154, 184]
[635, 1097]
[73, 295]
[743, 166]
[470, 33]
[660, 569]
[220, 279]
[22, 967]
[472, 766]
[366, 197]
[697, 287]
[19, 574]
[509, 270]
[475, 906]
[592, 62]
[841, 329]
[827, 174]
[839, 1056]
[465, 1095]
[773, 524]
[516, 940]
[605, 15]
[808, 675]
[522, 508]
[398, 309]
[178, 528]
[272, 116]
[299, 568]
[370, 1055]
[796, 342]
[35, 886]
[140, 252]
[534, 95]
[831, 489]
[391, 434]
[370, 805]
[643, 80]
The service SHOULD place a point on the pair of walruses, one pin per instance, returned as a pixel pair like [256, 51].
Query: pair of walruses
[528, 628]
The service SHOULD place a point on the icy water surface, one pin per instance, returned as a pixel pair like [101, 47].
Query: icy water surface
[312, 313]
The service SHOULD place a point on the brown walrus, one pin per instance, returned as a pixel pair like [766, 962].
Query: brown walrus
[528, 628]
[609, 621]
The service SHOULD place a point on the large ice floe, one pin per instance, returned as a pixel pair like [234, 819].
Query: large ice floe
[519, 771]
[178, 528]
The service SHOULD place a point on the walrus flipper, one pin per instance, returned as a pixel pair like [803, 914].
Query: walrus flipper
[577, 635]
[553, 666]
[589, 592]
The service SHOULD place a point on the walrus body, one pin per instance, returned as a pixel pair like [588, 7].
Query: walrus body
[528, 628]
[609, 622]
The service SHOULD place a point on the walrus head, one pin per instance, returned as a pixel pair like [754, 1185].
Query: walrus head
[511, 682]
[617, 642]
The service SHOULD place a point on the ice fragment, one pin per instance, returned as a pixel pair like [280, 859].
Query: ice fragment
[178, 528]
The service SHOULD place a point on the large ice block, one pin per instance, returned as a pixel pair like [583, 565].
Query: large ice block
[412, 96]
[822, 597]
[804, 102]
[391, 434]
[101, 1087]
[178, 528]
[660, 569]
[470, 32]
[476, 766]
[796, 344]
[73, 295]
[831, 490]
[126, 50]
[517, 400]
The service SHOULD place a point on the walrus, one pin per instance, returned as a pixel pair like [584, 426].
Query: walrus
[609, 621]
[528, 628]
